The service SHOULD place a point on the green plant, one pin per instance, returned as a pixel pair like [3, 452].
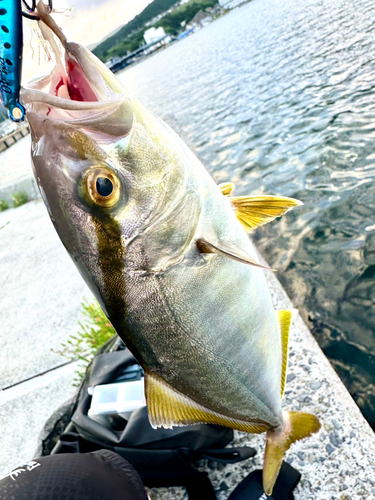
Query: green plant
[93, 333]
[19, 199]
[3, 205]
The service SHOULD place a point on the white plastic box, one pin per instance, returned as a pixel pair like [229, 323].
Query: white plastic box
[119, 399]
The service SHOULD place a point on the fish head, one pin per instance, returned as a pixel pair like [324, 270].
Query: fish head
[113, 181]
[83, 186]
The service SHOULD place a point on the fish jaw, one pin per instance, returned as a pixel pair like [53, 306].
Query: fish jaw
[83, 93]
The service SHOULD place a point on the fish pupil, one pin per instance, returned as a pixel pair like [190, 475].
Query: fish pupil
[104, 186]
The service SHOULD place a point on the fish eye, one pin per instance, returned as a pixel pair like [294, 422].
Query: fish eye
[104, 186]
[101, 186]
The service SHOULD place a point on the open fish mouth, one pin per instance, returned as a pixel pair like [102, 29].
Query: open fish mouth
[81, 91]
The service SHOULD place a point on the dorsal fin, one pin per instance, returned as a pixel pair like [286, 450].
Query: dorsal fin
[167, 408]
[226, 188]
[254, 211]
[285, 317]
[228, 250]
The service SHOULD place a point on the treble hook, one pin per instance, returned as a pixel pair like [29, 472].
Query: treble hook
[32, 9]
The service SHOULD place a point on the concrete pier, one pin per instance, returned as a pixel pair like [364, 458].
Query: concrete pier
[15, 172]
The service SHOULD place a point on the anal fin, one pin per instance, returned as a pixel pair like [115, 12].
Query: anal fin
[168, 407]
[285, 317]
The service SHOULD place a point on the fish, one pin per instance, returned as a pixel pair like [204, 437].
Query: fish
[166, 252]
[11, 45]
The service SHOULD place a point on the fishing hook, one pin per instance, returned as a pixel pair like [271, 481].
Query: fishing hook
[29, 14]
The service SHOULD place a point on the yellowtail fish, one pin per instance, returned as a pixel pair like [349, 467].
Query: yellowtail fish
[165, 251]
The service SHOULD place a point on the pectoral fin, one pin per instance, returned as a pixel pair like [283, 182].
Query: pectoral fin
[227, 250]
[168, 407]
[296, 426]
[285, 317]
[254, 211]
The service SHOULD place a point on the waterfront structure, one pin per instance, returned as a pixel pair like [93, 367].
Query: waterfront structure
[11, 132]
[230, 4]
[117, 63]
[112, 61]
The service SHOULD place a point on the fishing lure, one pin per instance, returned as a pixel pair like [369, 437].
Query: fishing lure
[11, 45]
[11, 42]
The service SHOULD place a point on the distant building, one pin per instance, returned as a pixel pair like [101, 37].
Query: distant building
[153, 35]
[200, 19]
[155, 38]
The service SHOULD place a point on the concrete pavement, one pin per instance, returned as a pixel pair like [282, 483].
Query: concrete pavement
[40, 296]
[41, 292]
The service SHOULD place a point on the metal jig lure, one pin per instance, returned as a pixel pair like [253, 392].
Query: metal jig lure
[11, 45]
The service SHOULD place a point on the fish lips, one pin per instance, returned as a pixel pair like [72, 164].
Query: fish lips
[85, 94]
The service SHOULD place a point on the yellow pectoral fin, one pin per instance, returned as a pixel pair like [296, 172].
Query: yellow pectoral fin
[168, 407]
[254, 211]
[296, 426]
[226, 188]
[285, 317]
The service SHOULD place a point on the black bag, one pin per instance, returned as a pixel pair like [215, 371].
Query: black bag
[162, 457]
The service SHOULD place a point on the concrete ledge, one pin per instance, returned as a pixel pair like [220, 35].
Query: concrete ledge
[25, 184]
[40, 298]
[8, 140]
[41, 293]
[24, 410]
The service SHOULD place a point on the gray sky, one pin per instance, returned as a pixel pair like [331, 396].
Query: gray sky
[92, 20]
[88, 4]
[89, 22]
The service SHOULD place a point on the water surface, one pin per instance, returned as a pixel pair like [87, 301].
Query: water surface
[278, 96]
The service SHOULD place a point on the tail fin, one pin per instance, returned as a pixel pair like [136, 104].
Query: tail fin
[296, 426]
